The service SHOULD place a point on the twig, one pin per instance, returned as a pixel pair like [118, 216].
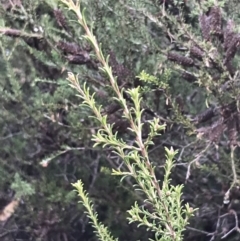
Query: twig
[195, 160]
[19, 33]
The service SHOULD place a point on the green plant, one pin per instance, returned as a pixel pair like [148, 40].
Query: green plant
[21, 187]
[162, 212]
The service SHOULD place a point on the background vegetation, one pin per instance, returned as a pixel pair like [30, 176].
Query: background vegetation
[187, 51]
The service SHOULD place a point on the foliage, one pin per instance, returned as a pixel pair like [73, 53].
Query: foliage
[21, 187]
[166, 219]
[182, 57]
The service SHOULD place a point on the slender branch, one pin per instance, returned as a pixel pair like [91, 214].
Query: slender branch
[19, 33]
